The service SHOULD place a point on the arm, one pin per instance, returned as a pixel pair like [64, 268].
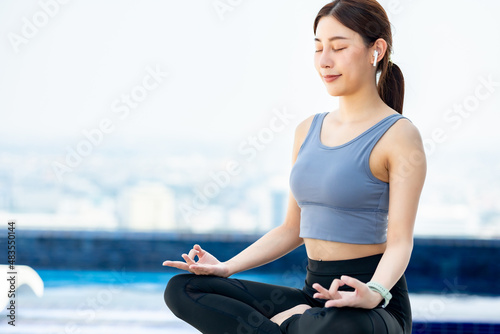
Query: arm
[273, 245]
[407, 168]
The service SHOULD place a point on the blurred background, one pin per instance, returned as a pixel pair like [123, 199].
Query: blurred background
[172, 122]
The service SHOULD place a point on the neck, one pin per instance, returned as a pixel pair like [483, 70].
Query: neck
[360, 105]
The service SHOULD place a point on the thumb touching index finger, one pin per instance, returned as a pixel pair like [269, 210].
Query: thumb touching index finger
[199, 249]
[351, 281]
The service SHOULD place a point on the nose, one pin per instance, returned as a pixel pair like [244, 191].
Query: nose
[326, 59]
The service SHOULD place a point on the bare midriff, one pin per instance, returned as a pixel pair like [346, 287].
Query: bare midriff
[324, 250]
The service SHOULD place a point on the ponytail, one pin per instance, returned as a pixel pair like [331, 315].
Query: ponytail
[391, 86]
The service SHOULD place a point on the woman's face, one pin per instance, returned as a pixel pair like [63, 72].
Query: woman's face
[341, 52]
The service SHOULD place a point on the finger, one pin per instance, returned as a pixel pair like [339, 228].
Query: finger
[201, 252]
[352, 282]
[343, 298]
[200, 269]
[172, 263]
[192, 254]
[188, 260]
[318, 287]
[176, 264]
[335, 303]
[322, 292]
[334, 287]
[318, 295]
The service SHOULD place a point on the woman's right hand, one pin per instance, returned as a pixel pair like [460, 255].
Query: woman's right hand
[207, 264]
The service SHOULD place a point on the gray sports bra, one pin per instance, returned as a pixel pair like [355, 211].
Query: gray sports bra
[339, 197]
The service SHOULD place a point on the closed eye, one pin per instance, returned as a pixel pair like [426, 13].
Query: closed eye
[332, 49]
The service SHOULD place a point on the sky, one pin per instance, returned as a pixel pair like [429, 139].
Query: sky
[223, 68]
[204, 78]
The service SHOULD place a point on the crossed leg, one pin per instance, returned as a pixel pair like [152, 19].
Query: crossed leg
[216, 305]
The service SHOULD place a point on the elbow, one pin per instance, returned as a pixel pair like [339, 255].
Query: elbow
[291, 232]
[400, 244]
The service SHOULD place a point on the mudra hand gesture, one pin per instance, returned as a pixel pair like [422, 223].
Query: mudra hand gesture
[362, 296]
[207, 264]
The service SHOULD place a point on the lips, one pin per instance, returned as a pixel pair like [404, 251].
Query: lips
[330, 78]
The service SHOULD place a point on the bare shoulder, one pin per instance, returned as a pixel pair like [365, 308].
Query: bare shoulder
[406, 156]
[303, 127]
[405, 134]
[301, 131]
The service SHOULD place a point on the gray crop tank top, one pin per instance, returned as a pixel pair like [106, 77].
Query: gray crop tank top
[339, 197]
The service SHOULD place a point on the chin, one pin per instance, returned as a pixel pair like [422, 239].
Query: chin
[334, 92]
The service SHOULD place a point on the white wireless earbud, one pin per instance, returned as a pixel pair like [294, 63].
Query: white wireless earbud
[375, 54]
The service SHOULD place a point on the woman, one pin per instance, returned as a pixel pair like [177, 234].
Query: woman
[358, 231]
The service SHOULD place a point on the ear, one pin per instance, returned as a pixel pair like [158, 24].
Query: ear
[381, 46]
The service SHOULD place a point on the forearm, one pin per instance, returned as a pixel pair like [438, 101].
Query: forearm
[271, 246]
[393, 263]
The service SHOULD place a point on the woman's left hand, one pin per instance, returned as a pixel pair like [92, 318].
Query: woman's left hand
[362, 296]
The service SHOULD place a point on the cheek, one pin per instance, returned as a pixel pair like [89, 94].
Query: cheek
[352, 58]
[353, 62]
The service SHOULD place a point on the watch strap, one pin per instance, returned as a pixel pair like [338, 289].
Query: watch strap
[381, 290]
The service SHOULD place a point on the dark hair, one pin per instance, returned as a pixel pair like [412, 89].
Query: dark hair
[369, 19]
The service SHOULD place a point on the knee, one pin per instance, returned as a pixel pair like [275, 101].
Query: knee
[175, 293]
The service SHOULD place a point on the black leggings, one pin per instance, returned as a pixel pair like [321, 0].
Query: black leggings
[216, 305]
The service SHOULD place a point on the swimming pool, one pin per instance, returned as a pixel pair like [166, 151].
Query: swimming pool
[132, 302]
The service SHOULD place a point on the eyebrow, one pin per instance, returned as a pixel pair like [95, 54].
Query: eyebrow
[331, 39]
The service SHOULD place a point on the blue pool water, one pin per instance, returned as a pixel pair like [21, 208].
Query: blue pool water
[132, 302]
[56, 278]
